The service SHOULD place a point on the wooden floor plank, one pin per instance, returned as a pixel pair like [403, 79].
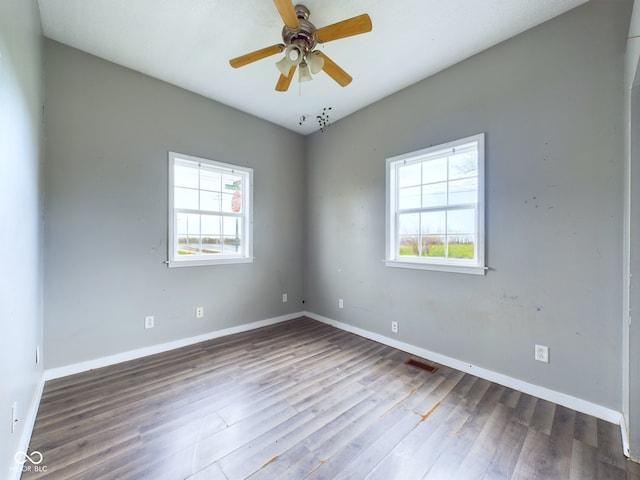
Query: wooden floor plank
[477, 460]
[298, 462]
[584, 461]
[421, 448]
[271, 444]
[585, 429]
[508, 450]
[379, 443]
[525, 408]
[542, 418]
[301, 399]
[342, 431]
[341, 462]
[465, 447]
[561, 438]
[212, 472]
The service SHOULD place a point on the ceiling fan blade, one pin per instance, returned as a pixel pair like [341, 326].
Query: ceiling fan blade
[334, 71]
[346, 28]
[284, 82]
[287, 13]
[255, 56]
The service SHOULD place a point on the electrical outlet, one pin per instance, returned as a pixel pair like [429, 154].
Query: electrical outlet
[542, 353]
[340, 303]
[394, 327]
[149, 322]
[284, 298]
[14, 416]
[199, 312]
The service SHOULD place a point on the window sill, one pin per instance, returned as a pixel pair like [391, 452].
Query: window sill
[204, 263]
[468, 269]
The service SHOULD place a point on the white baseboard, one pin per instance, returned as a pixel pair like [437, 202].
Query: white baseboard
[27, 431]
[58, 372]
[559, 398]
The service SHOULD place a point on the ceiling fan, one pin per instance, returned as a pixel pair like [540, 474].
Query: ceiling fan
[300, 37]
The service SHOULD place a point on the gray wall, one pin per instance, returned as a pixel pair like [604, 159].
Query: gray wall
[21, 99]
[551, 104]
[108, 132]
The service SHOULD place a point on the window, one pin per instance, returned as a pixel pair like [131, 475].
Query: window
[210, 206]
[435, 208]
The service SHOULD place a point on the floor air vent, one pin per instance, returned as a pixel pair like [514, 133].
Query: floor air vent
[418, 364]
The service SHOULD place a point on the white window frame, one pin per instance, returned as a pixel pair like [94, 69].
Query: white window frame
[474, 266]
[246, 214]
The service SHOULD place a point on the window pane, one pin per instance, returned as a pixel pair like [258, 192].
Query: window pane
[210, 248]
[433, 223]
[232, 232]
[409, 228]
[433, 245]
[188, 228]
[232, 193]
[185, 198]
[463, 165]
[188, 246]
[193, 224]
[409, 175]
[463, 191]
[184, 176]
[231, 183]
[210, 225]
[409, 224]
[227, 203]
[181, 223]
[210, 201]
[211, 245]
[461, 221]
[188, 224]
[461, 246]
[434, 195]
[231, 226]
[409, 246]
[233, 245]
[210, 180]
[409, 197]
[434, 170]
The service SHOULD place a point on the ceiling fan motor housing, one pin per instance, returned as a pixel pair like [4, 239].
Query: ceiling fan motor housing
[304, 35]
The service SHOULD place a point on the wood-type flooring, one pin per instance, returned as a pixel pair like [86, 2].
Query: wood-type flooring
[303, 400]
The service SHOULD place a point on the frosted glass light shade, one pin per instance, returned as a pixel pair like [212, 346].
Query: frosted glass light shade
[304, 74]
[315, 61]
[284, 66]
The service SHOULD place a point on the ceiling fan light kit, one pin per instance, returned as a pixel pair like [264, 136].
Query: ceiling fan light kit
[300, 37]
[292, 58]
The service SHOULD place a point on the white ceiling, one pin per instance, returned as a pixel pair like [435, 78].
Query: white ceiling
[189, 43]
